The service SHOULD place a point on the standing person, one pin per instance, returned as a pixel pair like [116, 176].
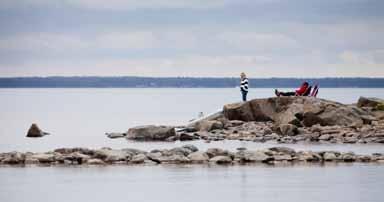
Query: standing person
[244, 86]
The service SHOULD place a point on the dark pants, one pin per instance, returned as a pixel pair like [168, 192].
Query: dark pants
[287, 93]
[244, 94]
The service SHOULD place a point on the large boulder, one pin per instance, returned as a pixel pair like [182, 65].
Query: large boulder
[35, 131]
[151, 133]
[296, 110]
[369, 102]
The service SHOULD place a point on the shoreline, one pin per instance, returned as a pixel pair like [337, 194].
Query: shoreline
[185, 155]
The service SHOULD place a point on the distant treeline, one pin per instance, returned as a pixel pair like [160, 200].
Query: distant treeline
[181, 82]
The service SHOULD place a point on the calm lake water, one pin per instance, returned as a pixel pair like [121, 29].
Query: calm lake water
[80, 117]
[193, 183]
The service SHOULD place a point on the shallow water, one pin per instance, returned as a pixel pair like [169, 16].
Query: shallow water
[80, 117]
[193, 183]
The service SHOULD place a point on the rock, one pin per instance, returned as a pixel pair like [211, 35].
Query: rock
[284, 150]
[198, 157]
[310, 119]
[208, 125]
[13, 158]
[112, 156]
[329, 156]
[296, 110]
[85, 151]
[325, 137]
[221, 160]
[187, 137]
[138, 159]
[95, 162]
[348, 157]
[192, 148]
[180, 151]
[174, 159]
[253, 156]
[282, 157]
[350, 140]
[369, 102]
[134, 151]
[150, 133]
[115, 135]
[308, 156]
[76, 158]
[35, 131]
[234, 123]
[212, 152]
[288, 129]
[44, 157]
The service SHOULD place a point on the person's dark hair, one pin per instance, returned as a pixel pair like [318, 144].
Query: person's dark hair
[305, 84]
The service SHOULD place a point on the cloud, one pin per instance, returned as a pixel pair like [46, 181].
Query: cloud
[121, 4]
[258, 41]
[129, 40]
[362, 57]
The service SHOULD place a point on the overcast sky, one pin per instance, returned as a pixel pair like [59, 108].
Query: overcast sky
[264, 38]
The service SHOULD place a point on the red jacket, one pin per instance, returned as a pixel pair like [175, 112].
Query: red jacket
[301, 90]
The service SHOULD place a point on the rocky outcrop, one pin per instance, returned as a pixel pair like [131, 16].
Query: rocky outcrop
[369, 102]
[182, 155]
[35, 131]
[297, 110]
[151, 133]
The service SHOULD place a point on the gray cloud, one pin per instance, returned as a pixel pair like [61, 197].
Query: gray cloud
[192, 38]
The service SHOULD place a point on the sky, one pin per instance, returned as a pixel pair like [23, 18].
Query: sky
[194, 38]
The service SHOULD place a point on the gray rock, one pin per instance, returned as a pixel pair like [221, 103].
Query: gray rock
[208, 125]
[308, 156]
[115, 135]
[348, 157]
[221, 160]
[369, 102]
[212, 152]
[325, 137]
[181, 151]
[329, 156]
[174, 159]
[95, 162]
[284, 150]
[138, 159]
[198, 157]
[13, 158]
[150, 133]
[112, 156]
[253, 156]
[35, 131]
[44, 157]
[282, 157]
[288, 129]
[191, 147]
[187, 137]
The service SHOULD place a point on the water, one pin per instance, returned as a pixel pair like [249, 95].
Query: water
[80, 117]
[193, 183]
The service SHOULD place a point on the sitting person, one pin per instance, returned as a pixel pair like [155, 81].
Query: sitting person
[304, 90]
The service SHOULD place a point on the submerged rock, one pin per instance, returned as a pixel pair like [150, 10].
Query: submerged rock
[115, 135]
[35, 131]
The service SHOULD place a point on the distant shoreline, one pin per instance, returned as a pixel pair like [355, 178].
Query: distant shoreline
[181, 82]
